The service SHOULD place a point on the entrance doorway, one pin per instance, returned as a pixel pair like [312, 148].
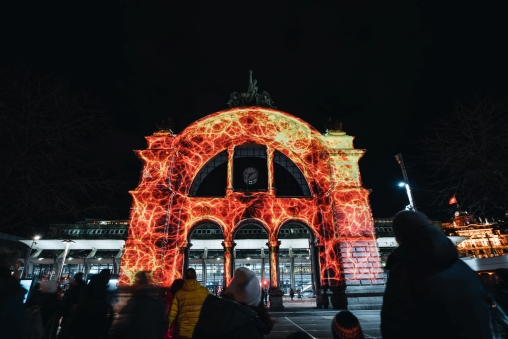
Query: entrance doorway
[206, 256]
[251, 251]
[295, 263]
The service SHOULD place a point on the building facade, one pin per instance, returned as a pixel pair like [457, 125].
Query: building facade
[260, 169]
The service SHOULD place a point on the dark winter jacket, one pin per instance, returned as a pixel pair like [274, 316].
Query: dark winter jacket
[142, 317]
[11, 307]
[430, 293]
[223, 318]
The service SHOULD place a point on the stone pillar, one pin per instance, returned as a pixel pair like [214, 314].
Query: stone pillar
[58, 265]
[269, 160]
[183, 250]
[292, 269]
[88, 265]
[203, 272]
[30, 264]
[117, 261]
[263, 278]
[316, 272]
[275, 291]
[229, 261]
[229, 180]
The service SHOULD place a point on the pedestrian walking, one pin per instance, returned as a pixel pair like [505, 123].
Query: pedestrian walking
[238, 315]
[186, 305]
[94, 314]
[291, 293]
[430, 292]
[43, 311]
[265, 293]
[69, 304]
[143, 315]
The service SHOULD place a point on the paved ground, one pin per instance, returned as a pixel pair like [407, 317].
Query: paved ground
[304, 316]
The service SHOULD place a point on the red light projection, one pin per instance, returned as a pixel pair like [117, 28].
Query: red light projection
[337, 213]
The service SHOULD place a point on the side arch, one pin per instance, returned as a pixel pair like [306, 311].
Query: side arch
[302, 223]
[251, 221]
[204, 222]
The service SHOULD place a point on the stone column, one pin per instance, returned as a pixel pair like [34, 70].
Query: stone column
[275, 291]
[30, 264]
[205, 273]
[88, 265]
[317, 251]
[116, 262]
[269, 160]
[184, 251]
[292, 269]
[229, 261]
[263, 278]
[229, 181]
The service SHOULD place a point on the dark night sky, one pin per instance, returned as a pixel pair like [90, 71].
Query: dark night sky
[385, 68]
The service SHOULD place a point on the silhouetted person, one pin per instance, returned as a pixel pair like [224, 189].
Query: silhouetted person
[186, 305]
[142, 316]
[93, 316]
[168, 300]
[291, 293]
[69, 304]
[501, 289]
[11, 299]
[265, 293]
[238, 315]
[47, 302]
[345, 325]
[430, 292]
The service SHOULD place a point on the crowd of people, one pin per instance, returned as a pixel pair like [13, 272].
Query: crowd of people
[430, 293]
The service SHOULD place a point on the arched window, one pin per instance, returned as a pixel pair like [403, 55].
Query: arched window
[288, 179]
[211, 179]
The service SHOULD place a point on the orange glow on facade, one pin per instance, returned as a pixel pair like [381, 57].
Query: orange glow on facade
[337, 211]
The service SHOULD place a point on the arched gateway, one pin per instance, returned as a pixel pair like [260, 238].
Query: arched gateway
[278, 171]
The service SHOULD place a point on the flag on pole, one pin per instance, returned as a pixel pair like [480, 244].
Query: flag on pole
[452, 200]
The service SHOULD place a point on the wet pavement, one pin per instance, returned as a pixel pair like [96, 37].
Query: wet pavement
[302, 315]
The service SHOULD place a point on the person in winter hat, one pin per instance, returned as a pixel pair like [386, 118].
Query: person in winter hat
[345, 325]
[239, 314]
[430, 292]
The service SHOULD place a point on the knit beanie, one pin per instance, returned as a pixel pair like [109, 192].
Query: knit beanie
[245, 288]
[346, 326]
[407, 222]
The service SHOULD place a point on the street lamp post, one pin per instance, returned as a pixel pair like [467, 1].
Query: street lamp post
[25, 272]
[67, 243]
[406, 182]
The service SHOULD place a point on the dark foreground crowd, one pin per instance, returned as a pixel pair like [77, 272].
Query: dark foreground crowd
[430, 293]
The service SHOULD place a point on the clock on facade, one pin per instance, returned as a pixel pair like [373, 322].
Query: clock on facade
[250, 175]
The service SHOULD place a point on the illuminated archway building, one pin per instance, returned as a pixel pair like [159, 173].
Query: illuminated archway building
[261, 167]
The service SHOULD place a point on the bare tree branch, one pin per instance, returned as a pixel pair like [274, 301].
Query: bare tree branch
[467, 154]
[50, 169]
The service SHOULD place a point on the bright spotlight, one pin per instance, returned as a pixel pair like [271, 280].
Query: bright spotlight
[402, 184]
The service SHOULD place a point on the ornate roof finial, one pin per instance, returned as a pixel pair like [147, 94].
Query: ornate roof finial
[251, 98]
[165, 126]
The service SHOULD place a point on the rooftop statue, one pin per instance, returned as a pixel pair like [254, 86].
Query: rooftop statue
[333, 125]
[251, 98]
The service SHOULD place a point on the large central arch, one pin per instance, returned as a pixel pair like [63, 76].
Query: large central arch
[335, 206]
